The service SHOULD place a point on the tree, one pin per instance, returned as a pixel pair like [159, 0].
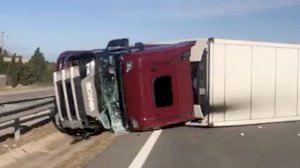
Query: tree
[36, 70]
[37, 64]
[27, 76]
[19, 68]
[2, 65]
[48, 77]
[13, 71]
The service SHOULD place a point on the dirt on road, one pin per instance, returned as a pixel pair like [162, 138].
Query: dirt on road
[53, 149]
[87, 151]
[7, 143]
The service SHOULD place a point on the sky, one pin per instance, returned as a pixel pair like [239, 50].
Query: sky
[59, 25]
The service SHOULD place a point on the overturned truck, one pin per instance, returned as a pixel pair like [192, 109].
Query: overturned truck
[124, 87]
[208, 82]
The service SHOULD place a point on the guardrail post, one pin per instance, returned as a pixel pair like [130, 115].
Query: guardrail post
[17, 133]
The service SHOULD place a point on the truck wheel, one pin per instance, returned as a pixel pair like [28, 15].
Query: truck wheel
[94, 129]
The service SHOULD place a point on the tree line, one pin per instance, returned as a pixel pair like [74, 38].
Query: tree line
[36, 71]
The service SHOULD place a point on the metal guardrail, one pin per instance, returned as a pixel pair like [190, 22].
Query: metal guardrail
[31, 108]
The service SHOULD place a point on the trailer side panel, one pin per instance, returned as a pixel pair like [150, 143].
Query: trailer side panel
[253, 82]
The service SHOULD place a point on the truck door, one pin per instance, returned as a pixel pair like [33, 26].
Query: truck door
[171, 88]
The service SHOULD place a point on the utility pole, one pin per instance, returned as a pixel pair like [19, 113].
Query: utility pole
[2, 43]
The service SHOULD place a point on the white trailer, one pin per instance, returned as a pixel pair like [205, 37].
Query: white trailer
[245, 82]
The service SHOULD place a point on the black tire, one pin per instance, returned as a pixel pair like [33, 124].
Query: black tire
[61, 129]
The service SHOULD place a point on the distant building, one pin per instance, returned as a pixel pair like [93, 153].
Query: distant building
[9, 59]
[7, 56]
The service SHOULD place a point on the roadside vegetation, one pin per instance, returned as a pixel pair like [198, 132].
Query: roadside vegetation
[37, 71]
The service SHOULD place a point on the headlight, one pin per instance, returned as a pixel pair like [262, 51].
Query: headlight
[128, 66]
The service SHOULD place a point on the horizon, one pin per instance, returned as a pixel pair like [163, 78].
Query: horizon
[56, 26]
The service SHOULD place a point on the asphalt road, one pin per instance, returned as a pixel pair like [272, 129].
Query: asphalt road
[269, 145]
[17, 95]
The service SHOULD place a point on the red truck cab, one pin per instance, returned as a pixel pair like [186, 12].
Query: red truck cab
[158, 86]
[124, 87]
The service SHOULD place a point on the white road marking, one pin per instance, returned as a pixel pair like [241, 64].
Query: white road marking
[141, 157]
